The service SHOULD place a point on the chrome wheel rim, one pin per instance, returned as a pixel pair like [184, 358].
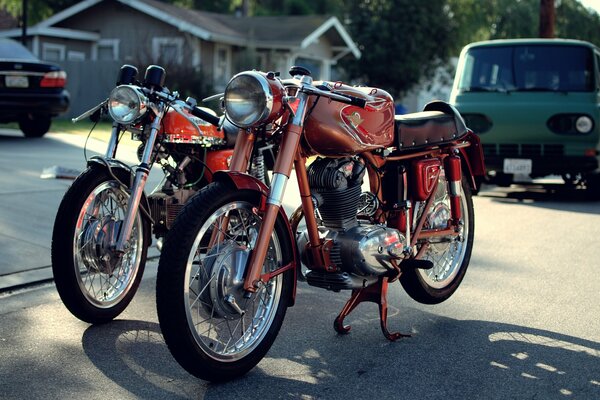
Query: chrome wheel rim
[103, 278]
[225, 324]
[447, 256]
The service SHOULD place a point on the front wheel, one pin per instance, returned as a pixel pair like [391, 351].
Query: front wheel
[450, 256]
[212, 327]
[94, 283]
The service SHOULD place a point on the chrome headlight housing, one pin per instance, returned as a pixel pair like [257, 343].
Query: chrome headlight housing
[252, 98]
[126, 104]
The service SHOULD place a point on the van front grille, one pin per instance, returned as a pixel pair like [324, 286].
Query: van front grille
[523, 150]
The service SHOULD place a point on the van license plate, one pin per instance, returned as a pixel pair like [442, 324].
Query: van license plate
[517, 166]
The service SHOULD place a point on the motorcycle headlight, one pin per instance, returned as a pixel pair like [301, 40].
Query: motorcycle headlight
[126, 104]
[251, 99]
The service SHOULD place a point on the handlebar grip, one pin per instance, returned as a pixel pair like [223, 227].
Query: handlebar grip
[357, 101]
[208, 117]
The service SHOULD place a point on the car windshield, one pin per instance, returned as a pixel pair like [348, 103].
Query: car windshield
[528, 68]
[11, 50]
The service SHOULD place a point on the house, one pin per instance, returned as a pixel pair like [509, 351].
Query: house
[219, 45]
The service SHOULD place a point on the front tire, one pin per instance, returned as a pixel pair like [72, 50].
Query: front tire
[450, 258]
[210, 327]
[93, 284]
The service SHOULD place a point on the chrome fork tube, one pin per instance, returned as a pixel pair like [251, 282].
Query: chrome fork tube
[141, 176]
[281, 173]
[111, 150]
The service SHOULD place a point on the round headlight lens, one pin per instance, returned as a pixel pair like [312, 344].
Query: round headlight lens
[126, 104]
[584, 124]
[248, 99]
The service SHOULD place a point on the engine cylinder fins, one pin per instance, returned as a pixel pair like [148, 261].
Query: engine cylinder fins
[337, 186]
[335, 173]
[338, 208]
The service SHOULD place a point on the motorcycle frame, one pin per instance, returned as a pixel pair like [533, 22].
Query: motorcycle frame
[291, 154]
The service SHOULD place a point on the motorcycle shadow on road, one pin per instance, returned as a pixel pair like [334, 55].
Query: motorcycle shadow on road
[445, 358]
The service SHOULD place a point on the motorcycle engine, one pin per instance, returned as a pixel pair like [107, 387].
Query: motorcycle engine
[165, 205]
[359, 249]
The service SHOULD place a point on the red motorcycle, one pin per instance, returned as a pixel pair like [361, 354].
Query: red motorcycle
[103, 225]
[228, 269]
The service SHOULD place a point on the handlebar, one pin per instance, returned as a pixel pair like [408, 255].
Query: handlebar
[342, 98]
[211, 119]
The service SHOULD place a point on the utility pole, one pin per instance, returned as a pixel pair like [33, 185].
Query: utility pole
[24, 22]
[546, 18]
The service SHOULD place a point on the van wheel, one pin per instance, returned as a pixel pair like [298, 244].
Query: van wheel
[592, 184]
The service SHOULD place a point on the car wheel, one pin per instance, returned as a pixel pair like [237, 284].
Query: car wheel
[34, 126]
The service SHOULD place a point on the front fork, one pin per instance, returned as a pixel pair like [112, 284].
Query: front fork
[281, 173]
[139, 183]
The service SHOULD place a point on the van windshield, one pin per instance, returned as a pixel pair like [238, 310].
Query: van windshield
[528, 68]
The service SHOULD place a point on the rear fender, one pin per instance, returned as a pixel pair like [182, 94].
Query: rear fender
[243, 181]
[473, 163]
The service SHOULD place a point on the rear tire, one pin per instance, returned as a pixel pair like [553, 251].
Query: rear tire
[34, 126]
[450, 259]
[93, 290]
[197, 284]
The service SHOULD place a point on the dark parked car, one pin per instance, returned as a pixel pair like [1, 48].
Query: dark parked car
[32, 92]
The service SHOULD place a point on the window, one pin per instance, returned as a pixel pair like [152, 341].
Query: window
[75, 55]
[167, 50]
[222, 66]
[528, 68]
[106, 49]
[53, 52]
[313, 65]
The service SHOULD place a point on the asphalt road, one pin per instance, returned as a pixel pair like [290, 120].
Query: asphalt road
[523, 325]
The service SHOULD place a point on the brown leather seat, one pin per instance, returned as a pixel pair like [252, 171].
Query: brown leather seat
[438, 123]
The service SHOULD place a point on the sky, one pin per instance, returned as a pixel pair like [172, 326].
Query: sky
[595, 4]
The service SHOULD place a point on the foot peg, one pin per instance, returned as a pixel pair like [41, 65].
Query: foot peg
[413, 263]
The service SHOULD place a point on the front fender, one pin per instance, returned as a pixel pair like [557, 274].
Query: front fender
[243, 181]
[122, 172]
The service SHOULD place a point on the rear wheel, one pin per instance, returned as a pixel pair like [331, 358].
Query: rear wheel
[450, 257]
[93, 282]
[211, 326]
[34, 126]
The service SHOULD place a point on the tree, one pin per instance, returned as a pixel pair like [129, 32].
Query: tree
[475, 20]
[401, 41]
[38, 10]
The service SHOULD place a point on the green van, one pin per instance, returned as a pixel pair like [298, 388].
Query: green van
[536, 105]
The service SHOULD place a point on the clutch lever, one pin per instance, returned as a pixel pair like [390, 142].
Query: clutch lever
[89, 112]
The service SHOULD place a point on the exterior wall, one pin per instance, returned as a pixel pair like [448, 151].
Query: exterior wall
[134, 30]
[69, 45]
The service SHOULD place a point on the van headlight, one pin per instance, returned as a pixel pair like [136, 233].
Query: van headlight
[127, 104]
[584, 124]
[252, 99]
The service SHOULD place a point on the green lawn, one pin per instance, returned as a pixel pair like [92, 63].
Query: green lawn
[82, 128]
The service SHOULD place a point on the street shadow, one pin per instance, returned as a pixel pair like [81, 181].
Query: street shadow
[445, 359]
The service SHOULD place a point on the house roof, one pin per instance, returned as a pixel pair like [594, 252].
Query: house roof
[284, 32]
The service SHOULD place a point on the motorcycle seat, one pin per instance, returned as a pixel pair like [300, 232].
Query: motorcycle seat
[438, 123]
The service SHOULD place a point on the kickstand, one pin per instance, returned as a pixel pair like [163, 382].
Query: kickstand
[376, 293]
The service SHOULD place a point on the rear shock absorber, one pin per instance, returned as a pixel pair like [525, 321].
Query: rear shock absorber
[454, 176]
